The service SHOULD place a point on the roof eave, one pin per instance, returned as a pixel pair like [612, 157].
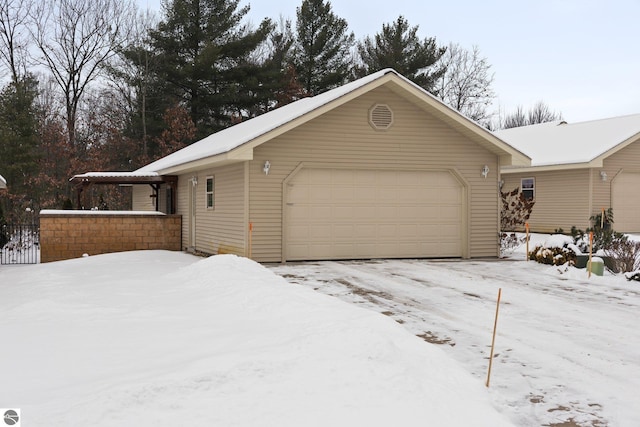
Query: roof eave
[239, 154]
[549, 168]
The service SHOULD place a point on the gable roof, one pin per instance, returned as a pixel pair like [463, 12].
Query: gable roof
[570, 145]
[236, 143]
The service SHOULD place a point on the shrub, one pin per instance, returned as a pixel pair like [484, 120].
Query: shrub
[625, 253]
[516, 210]
[514, 213]
[508, 242]
[553, 256]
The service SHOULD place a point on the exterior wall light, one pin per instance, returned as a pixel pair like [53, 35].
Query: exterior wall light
[485, 171]
[603, 176]
[266, 167]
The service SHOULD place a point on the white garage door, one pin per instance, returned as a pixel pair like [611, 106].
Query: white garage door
[360, 214]
[626, 202]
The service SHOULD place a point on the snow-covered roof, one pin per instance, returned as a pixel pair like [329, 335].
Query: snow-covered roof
[562, 143]
[120, 178]
[136, 174]
[229, 139]
[3, 182]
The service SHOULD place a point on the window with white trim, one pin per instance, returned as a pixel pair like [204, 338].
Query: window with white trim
[210, 192]
[528, 188]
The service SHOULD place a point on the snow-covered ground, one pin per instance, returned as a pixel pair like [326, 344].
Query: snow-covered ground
[162, 338]
[567, 349]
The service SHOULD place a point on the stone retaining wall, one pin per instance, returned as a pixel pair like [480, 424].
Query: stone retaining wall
[71, 234]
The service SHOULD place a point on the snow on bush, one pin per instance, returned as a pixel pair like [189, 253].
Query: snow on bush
[557, 249]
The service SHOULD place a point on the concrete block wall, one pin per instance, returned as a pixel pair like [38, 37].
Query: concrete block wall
[70, 234]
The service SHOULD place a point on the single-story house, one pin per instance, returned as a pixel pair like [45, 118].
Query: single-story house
[377, 168]
[577, 170]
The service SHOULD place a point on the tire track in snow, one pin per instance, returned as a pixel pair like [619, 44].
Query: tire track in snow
[539, 351]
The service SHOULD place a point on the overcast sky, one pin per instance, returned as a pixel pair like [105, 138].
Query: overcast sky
[581, 57]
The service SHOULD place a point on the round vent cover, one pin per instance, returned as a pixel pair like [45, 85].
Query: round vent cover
[381, 116]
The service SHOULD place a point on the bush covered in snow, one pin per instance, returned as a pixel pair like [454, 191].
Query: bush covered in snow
[553, 255]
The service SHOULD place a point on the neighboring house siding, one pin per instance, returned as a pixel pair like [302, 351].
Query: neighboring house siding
[343, 137]
[221, 229]
[561, 198]
[626, 160]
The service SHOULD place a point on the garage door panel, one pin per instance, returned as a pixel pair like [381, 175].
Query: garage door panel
[451, 212]
[341, 213]
[365, 194]
[364, 177]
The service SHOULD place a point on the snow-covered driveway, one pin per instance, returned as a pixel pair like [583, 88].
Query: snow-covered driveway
[567, 349]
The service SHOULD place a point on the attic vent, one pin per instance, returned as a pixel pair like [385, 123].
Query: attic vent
[381, 117]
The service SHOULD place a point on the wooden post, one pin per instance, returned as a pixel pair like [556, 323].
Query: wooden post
[526, 227]
[590, 251]
[493, 340]
[602, 219]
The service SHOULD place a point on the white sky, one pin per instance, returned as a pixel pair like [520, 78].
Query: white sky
[581, 57]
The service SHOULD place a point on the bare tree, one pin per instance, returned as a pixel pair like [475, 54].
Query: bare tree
[14, 40]
[466, 82]
[539, 113]
[75, 38]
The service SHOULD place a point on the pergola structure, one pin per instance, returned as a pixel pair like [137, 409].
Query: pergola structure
[84, 181]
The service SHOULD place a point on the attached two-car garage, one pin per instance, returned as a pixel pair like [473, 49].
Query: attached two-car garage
[335, 213]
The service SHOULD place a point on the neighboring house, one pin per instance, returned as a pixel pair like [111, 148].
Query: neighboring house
[577, 170]
[377, 168]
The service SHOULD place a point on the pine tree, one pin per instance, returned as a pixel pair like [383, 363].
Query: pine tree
[323, 47]
[18, 133]
[399, 47]
[202, 49]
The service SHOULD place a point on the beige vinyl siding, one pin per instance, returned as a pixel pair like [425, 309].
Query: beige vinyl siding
[562, 198]
[625, 160]
[182, 206]
[141, 199]
[221, 229]
[344, 138]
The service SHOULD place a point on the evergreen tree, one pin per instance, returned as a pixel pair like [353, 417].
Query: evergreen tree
[323, 47]
[202, 48]
[18, 133]
[399, 47]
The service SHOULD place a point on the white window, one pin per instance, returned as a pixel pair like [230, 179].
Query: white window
[528, 188]
[210, 192]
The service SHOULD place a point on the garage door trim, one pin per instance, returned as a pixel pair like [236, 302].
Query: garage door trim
[464, 184]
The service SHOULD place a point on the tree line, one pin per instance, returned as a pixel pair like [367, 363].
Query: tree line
[103, 85]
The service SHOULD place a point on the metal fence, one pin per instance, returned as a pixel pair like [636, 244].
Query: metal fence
[20, 244]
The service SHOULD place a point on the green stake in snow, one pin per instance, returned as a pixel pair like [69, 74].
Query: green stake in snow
[493, 340]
